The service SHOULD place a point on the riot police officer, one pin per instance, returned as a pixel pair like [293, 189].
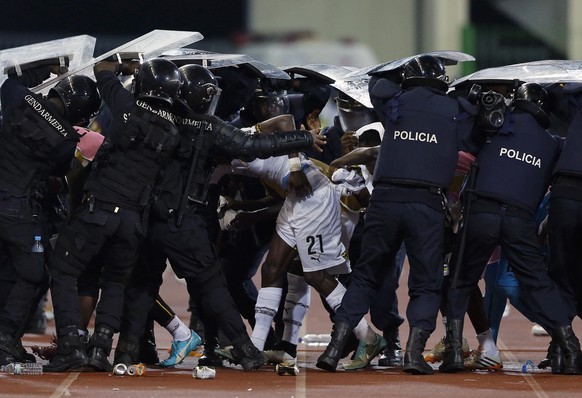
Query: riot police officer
[178, 231]
[141, 140]
[514, 171]
[38, 140]
[424, 130]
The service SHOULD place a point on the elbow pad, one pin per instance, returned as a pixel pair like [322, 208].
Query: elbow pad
[247, 147]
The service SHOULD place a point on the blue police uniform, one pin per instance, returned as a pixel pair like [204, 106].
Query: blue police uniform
[515, 169]
[424, 130]
[564, 226]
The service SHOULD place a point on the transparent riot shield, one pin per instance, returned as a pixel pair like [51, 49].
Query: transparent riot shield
[70, 53]
[545, 71]
[148, 46]
[448, 57]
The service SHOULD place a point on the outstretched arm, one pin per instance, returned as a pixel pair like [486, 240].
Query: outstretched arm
[357, 156]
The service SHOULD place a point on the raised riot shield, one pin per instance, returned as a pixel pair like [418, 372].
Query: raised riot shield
[148, 46]
[326, 73]
[542, 72]
[356, 87]
[69, 52]
[449, 58]
[214, 61]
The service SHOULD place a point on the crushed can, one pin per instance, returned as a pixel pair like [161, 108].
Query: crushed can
[287, 369]
[136, 370]
[203, 372]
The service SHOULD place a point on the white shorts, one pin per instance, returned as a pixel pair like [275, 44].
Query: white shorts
[314, 226]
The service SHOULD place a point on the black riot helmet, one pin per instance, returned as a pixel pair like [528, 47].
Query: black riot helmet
[270, 99]
[533, 98]
[157, 78]
[80, 97]
[353, 114]
[533, 92]
[199, 89]
[425, 70]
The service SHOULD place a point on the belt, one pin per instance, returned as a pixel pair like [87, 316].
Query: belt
[484, 203]
[431, 189]
[95, 203]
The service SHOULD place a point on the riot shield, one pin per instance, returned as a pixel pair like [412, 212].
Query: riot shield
[546, 71]
[449, 58]
[356, 87]
[327, 73]
[69, 52]
[148, 46]
[213, 61]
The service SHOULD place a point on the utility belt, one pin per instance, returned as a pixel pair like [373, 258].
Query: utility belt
[432, 189]
[491, 205]
[95, 203]
[397, 191]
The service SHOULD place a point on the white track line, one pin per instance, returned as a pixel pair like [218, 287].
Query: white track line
[537, 389]
[62, 388]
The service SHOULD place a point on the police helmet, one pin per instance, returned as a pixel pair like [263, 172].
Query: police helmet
[353, 114]
[533, 92]
[270, 99]
[199, 89]
[157, 78]
[80, 97]
[425, 70]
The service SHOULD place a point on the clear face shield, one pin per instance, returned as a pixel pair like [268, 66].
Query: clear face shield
[266, 106]
[213, 97]
[353, 115]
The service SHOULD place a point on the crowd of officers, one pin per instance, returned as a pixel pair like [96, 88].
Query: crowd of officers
[143, 200]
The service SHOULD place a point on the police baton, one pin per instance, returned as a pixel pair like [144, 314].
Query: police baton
[468, 193]
[193, 165]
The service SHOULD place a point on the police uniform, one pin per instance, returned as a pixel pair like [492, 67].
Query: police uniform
[36, 142]
[109, 222]
[178, 231]
[424, 130]
[564, 228]
[514, 171]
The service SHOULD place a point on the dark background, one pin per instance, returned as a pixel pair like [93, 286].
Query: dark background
[113, 23]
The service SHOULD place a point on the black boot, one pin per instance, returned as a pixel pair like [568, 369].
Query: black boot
[248, 356]
[148, 351]
[392, 355]
[100, 347]
[209, 358]
[340, 334]
[571, 357]
[413, 360]
[8, 353]
[453, 360]
[127, 351]
[23, 355]
[554, 359]
[70, 353]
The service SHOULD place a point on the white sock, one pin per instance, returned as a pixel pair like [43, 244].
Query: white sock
[486, 341]
[267, 305]
[364, 332]
[178, 329]
[334, 299]
[296, 305]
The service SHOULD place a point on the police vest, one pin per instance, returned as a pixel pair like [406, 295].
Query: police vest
[516, 166]
[420, 143]
[36, 142]
[125, 171]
